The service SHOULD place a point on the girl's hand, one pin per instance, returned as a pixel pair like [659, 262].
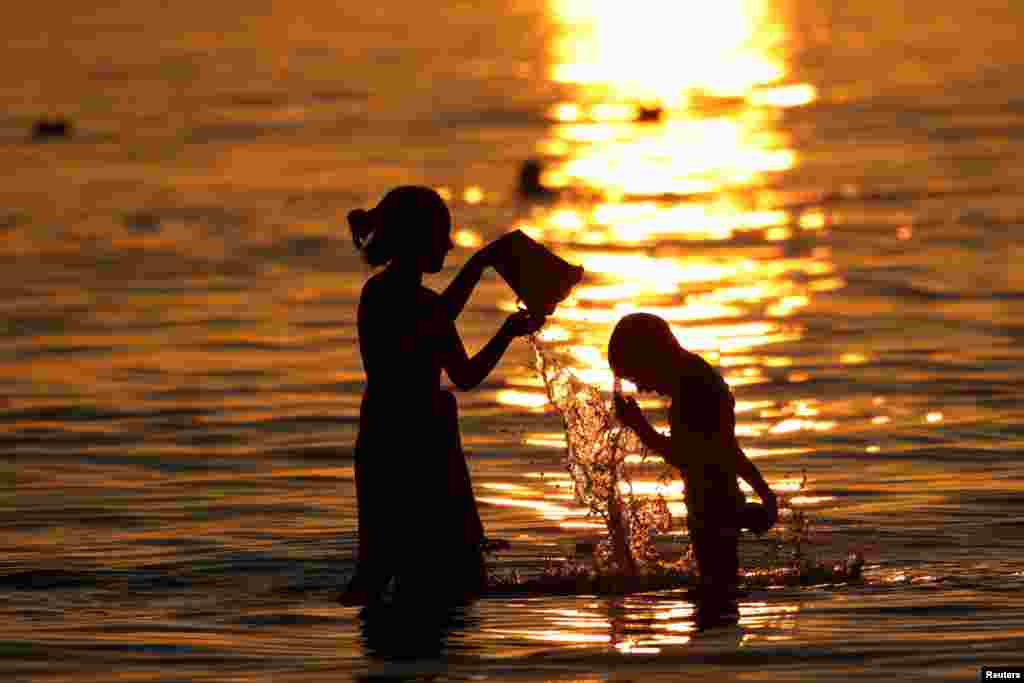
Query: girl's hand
[522, 323]
[628, 412]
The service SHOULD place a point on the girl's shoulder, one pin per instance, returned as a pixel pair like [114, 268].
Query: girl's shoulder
[384, 285]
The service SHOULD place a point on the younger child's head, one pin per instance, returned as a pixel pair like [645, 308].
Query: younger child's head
[643, 350]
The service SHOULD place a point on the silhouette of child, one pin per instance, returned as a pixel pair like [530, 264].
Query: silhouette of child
[702, 444]
[418, 521]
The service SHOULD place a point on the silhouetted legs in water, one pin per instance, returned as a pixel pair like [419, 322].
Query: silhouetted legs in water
[396, 632]
[418, 523]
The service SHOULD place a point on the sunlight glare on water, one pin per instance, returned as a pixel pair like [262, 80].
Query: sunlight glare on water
[694, 176]
[710, 73]
[656, 51]
[822, 198]
[700, 173]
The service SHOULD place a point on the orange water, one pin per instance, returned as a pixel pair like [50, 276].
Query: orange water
[829, 210]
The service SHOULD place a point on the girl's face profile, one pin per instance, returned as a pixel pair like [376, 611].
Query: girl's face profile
[438, 248]
[436, 241]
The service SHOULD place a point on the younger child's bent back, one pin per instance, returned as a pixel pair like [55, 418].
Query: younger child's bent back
[702, 444]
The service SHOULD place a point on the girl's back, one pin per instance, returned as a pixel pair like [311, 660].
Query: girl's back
[401, 324]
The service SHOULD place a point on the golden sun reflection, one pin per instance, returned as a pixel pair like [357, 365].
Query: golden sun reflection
[651, 50]
[522, 399]
[666, 162]
[468, 239]
[545, 509]
[767, 622]
[671, 140]
[713, 79]
[625, 626]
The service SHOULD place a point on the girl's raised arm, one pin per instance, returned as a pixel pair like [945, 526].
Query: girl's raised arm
[466, 372]
[457, 293]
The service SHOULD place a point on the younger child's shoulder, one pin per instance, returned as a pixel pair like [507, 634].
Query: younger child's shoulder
[703, 400]
[696, 372]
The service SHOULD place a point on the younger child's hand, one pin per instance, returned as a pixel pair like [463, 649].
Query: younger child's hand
[628, 412]
[758, 518]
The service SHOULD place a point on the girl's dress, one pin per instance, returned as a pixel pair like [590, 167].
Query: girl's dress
[418, 520]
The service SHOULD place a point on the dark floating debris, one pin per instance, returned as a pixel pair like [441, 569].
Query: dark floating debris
[143, 221]
[649, 114]
[10, 220]
[530, 185]
[51, 129]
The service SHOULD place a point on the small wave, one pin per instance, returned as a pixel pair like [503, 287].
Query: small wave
[150, 219]
[42, 579]
[495, 117]
[317, 453]
[319, 251]
[55, 579]
[237, 132]
[88, 413]
[290, 423]
[286, 619]
[243, 345]
[63, 350]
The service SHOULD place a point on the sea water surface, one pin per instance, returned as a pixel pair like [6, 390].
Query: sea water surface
[827, 205]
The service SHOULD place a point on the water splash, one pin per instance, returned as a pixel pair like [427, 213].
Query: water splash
[597, 449]
[597, 446]
[799, 530]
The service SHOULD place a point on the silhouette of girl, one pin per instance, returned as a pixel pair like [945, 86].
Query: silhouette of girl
[418, 521]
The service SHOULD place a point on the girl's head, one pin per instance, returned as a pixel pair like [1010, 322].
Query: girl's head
[643, 350]
[411, 225]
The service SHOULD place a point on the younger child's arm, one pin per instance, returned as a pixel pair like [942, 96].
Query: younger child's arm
[748, 472]
[631, 415]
